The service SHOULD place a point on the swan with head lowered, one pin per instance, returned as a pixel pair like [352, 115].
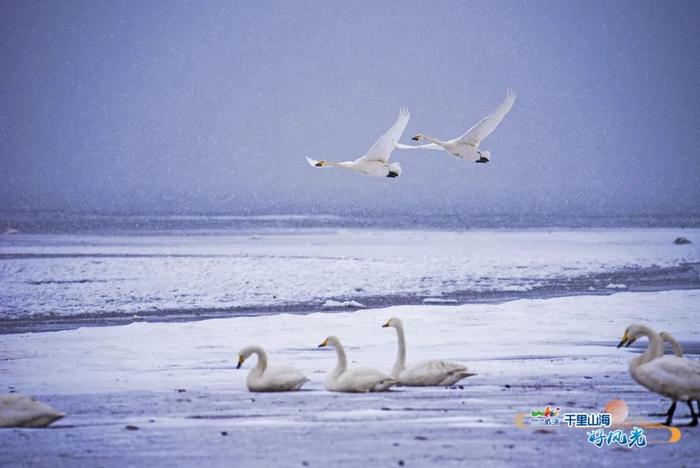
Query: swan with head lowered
[673, 377]
[425, 373]
[264, 378]
[24, 411]
[376, 162]
[355, 379]
[466, 146]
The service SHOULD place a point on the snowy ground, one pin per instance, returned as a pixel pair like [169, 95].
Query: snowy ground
[175, 383]
[63, 276]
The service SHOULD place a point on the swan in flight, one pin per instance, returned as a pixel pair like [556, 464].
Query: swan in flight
[670, 376]
[467, 145]
[426, 373]
[264, 378]
[356, 379]
[376, 162]
[23, 411]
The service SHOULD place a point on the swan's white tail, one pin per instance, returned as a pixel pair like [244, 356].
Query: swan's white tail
[394, 170]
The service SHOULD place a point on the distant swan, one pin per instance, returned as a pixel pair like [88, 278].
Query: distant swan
[23, 411]
[376, 162]
[670, 376]
[264, 378]
[467, 145]
[426, 373]
[356, 379]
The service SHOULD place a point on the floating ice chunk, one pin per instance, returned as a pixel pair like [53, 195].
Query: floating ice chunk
[439, 300]
[331, 304]
[616, 286]
[517, 288]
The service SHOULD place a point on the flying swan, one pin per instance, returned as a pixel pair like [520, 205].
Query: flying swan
[356, 379]
[670, 376]
[264, 378]
[23, 411]
[426, 373]
[467, 145]
[376, 162]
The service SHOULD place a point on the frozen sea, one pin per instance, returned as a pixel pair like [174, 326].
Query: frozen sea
[105, 320]
[121, 269]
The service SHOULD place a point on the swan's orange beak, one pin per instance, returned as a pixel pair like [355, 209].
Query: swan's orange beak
[325, 343]
[241, 360]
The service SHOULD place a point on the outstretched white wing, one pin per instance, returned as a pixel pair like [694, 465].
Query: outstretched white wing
[429, 146]
[312, 162]
[489, 123]
[381, 150]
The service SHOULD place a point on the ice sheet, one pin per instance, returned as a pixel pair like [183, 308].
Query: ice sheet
[43, 275]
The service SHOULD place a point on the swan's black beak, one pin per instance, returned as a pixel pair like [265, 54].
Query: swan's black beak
[622, 342]
[325, 343]
[385, 325]
[416, 138]
[629, 342]
[241, 360]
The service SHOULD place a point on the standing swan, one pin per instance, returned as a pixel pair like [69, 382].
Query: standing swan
[357, 379]
[264, 378]
[670, 376]
[23, 411]
[376, 162]
[467, 145]
[426, 373]
[677, 351]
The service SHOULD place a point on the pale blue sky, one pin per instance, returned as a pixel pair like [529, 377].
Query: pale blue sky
[212, 106]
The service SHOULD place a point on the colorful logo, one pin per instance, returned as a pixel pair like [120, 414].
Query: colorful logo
[611, 427]
[545, 417]
[547, 412]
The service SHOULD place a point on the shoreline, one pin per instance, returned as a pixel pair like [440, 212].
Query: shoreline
[169, 393]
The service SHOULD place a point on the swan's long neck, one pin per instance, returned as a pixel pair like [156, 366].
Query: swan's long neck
[342, 165]
[400, 363]
[677, 348]
[342, 364]
[655, 348]
[434, 140]
[262, 359]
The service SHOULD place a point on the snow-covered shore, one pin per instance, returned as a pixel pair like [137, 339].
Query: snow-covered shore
[177, 384]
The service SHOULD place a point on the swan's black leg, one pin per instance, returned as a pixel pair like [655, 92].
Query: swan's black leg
[693, 414]
[671, 410]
